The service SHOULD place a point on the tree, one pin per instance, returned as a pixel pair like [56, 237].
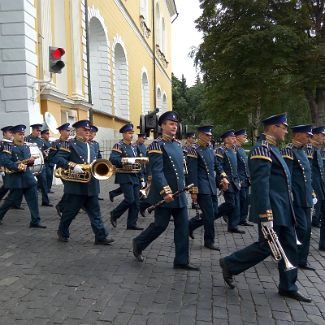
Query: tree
[255, 57]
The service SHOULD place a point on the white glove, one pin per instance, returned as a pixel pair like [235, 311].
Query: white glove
[315, 200]
[267, 224]
[2, 174]
[143, 184]
[77, 170]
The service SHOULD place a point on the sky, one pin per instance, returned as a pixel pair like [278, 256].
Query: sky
[184, 37]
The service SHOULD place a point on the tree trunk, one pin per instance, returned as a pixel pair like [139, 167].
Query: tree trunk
[255, 120]
[316, 105]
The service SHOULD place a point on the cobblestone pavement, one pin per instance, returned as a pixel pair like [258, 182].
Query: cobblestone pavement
[43, 281]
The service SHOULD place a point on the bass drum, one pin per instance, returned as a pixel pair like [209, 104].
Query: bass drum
[35, 151]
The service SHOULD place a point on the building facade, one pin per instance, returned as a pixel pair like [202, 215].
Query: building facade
[124, 68]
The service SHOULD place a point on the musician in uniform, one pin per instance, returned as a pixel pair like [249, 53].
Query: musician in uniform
[318, 179]
[227, 157]
[7, 137]
[243, 173]
[202, 164]
[190, 141]
[48, 165]
[129, 180]
[167, 167]
[72, 156]
[93, 133]
[16, 158]
[35, 137]
[300, 170]
[271, 208]
[64, 131]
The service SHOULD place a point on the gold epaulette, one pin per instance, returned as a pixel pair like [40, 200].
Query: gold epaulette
[154, 147]
[7, 148]
[220, 152]
[287, 153]
[65, 146]
[309, 151]
[117, 147]
[261, 152]
[191, 152]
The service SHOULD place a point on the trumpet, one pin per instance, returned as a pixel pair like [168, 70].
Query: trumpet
[101, 169]
[132, 165]
[277, 250]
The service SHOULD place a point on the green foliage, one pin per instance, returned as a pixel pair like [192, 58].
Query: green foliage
[260, 58]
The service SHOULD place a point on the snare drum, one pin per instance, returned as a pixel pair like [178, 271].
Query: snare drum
[35, 151]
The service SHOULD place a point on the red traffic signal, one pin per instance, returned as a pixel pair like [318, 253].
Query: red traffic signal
[55, 62]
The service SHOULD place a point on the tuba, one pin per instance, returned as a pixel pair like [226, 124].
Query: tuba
[101, 169]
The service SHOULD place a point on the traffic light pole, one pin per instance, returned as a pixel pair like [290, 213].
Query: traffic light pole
[90, 99]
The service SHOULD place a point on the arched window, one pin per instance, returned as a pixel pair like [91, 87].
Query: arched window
[145, 93]
[163, 36]
[158, 25]
[164, 107]
[159, 100]
[99, 67]
[121, 83]
[144, 11]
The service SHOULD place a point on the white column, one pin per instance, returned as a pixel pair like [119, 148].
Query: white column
[18, 61]
[75, 10]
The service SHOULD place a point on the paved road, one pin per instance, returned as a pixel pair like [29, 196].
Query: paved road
[43, 281]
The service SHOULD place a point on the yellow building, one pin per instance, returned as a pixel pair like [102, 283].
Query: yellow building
[124, 68]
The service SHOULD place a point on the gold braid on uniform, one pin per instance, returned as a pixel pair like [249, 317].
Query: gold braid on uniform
[117, 147]
[65, 146]
[287, 152]
[261, 152]
[309, 151]
[154, 147]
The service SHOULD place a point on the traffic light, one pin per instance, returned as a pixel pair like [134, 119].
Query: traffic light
[55, 55]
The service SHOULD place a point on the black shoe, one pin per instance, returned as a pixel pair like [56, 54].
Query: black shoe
[187, 267]
[106, 241]
[36, 225]
[47, 205]
[227, 276]
[212, 246]
[143, 213]
[191, 235]
[294, 295]
[17, 208]
[111, 197]
[134, 228]
[246, 224]
[316, 225]
[137, 252]
[113, 221]
[62, 238]
[306, 267]
[100, 199]
[58, 211]
[236, 231]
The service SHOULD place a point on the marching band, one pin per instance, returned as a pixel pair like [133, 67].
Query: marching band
[285, 188]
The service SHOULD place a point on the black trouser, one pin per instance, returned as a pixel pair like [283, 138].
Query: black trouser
[15, 195]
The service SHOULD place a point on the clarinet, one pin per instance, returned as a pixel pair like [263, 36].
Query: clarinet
[176, 194]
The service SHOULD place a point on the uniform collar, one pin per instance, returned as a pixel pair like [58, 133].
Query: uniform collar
[126, 142]
[202, 143]
[270, 139]
[297, 144]
[20, 143]
[167, 138]
[81, 139]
